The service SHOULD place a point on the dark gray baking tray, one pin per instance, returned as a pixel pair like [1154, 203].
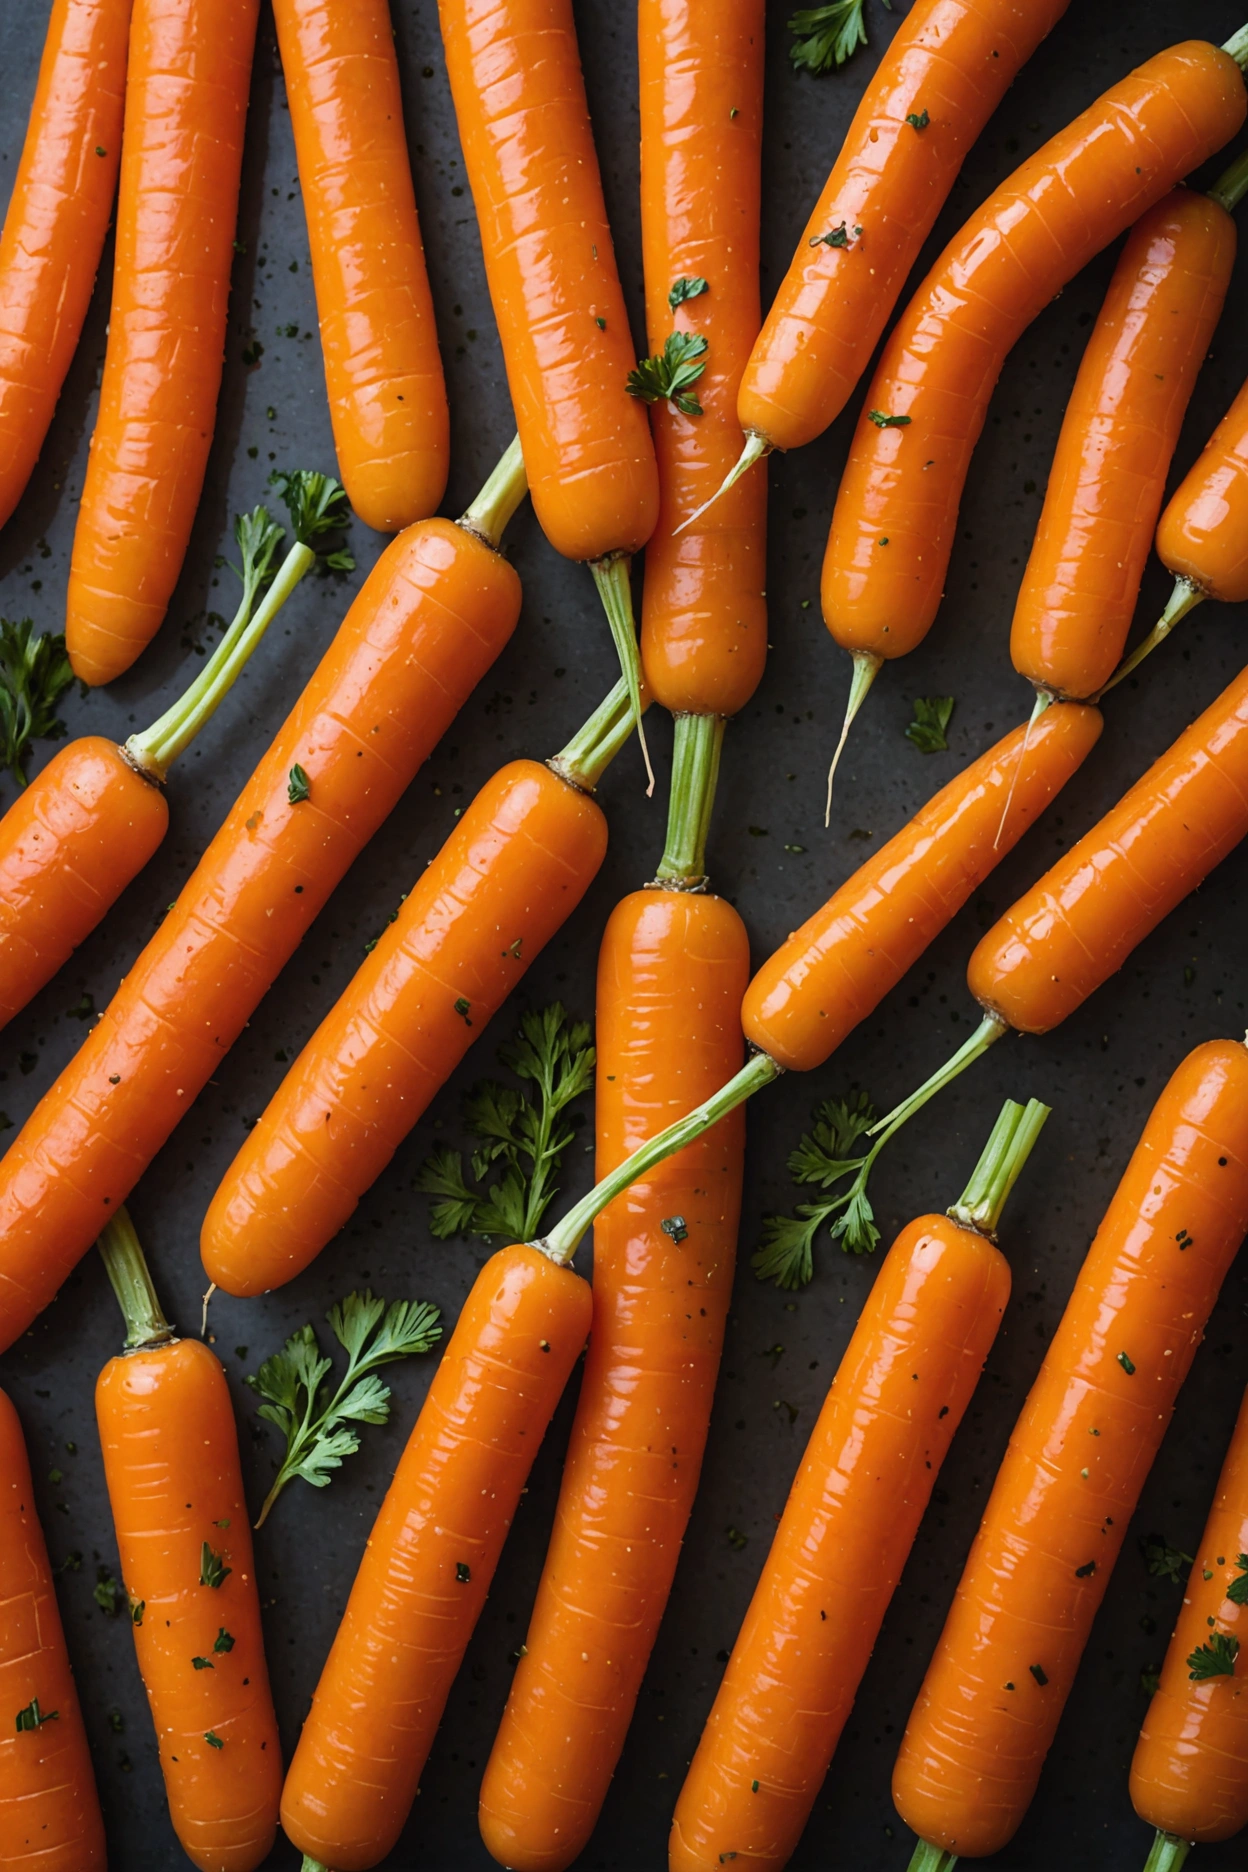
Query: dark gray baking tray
[1101, 1072]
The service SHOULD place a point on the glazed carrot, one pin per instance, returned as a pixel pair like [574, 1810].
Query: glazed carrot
[433, 614]
[56, 222]
[704, 613]
[896, 508]
[49, 1813]
[88, 824]
[864, 1483]
[186, 101]
[519, 98]
[511, 873]
[1080, 1452]
[1189, 1774]
[175, 1488]
[387, 398]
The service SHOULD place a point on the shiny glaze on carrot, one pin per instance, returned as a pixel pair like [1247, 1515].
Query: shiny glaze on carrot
[49, 1812]
[671, 972]
[897, 506]
[510, 874]
[103, 820]
[704, 612]
[1077, 1460]
[430, 619]
[952, 60]
[841, 963]
[1082, 581]
[383, 371]
[430, 1559]
[1203, 534]
[57, 218]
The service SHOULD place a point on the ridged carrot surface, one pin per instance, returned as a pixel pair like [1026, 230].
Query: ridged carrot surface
[1077, 1460]
[187, 81]
[422, 1582]
[432, 616]
[671, 972]
[704, 612]
[1203, 534]
[511, 873]
[896, 509]
[57, 218]
[49, 1814]
[383, 371]
[1122, 423]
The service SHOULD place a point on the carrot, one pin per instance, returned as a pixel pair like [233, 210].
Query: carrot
[433, 614]
[1078, 1457]
[512, 871]
[175, 1488]
[49, 1813]
[1189, 1774]
[893, 524]
[864, 1483]
[519, 99]
[186, 101]
[56, 222]
[1118, 435]
[704, 610]
[86, 827]
[387, 398]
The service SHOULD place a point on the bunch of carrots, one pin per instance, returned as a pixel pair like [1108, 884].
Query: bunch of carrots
[140, 122]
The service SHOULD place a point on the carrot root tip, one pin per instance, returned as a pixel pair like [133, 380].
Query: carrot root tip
[756, 447]
[1184, 598]
[866, 668]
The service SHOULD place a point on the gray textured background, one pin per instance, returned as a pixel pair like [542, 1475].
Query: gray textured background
[1101, 1072]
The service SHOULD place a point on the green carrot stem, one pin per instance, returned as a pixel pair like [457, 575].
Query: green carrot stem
[990, 1028]
[1168, 1853]
[1237, 46]
[866, 668]
[312, 1865]
[132, 1283]
[756, 446]
[561, 1242]
[1184, 598]
[596, 743]
[611, 578]
[695, 771]
[502, 494]
[929, 1858]
[1229, 189]
[1000, 1165]
[155, 750]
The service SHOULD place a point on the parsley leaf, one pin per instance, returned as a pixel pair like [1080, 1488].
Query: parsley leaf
[883, 421]
[223, 1641]
[32, 1717]
[299, 787]
[1216, 1658]
[107, 1592]
[1162, 1561]
[34, 673]
[521, 1136]
[931, 718]
[918, 120]
[824, 1156]
[683, 289]
[212, 1569]
[317, 1423]
[317, 505]
[669, 377]
[1237, 1591]
[827, 35]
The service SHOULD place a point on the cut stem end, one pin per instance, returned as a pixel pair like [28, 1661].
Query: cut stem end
[929, 1858]
[1000, 1166]
[698, 742]
[132, 1283]
[494, 506]
[866, 668]
[1168, 1853]
[596, 743]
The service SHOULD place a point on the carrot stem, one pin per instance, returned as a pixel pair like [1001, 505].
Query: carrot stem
[1168, 1853]
[1237, 46]
[1000, 1165]
[929, 1858]
[611, 578]
[866, 669]
[756, 446]
[596, 743]
[990, 1028]
[695, 772]
[312, 1865]
[563, 1240]
[131, 1281]
[1184, 598]
[497, 502]
[1229, 189]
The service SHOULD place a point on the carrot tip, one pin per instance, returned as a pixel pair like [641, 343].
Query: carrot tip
[203, 1318]
[866, 669]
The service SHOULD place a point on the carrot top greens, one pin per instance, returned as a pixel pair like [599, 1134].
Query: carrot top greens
[824, 1155]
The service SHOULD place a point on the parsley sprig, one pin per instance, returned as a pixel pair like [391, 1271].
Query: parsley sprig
[1162, 1560]
[1237, 1591]
[824, 1156]
[669, 377]
[1215, 1658]
[317, 1423]
[317, 505]
[827, 35]
[524, 1134]
[34, 673]
[932, 715]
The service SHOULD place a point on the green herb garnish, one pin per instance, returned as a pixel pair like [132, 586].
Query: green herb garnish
[212, 1569]
[107, 1592]
[669, 377]
[299, 787]
[822, 1157]
[1128, 1364]
[32, 1717]
[1215, 1658]
[827, 35]
[683, 289]
[838, 236]
[883, 421]
[223, 1641]
[213, 1741]
[1162, 1561]
[1237, 1591]
[34, 673]
[918, 120]
[932, 715]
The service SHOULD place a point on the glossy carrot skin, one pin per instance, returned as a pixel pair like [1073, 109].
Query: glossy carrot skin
[519, 97]
[186, 104]
[671, 972]
[167, 1434]
[1189, 1774]
[841, 963]
[704, 613]
[49, 1813]
[69, 844]
[897, 506]
[56, 222]
[432, 616]
[430, 1559]
[1203, 534]
[854, 1509]
[1077, 1460]
[954, 60]
[511, 873]
[1078, 924]
[1122, 423]
[383, 371]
